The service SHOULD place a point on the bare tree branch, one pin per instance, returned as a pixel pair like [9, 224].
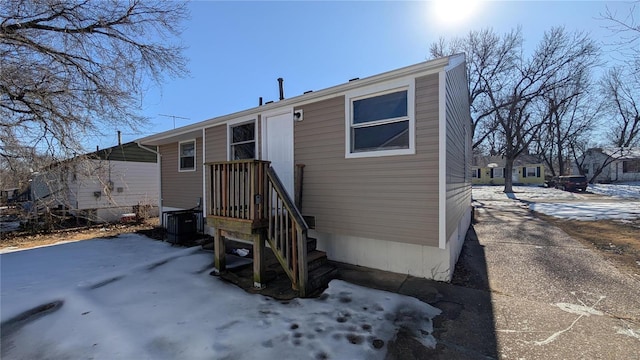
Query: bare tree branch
[71, 67]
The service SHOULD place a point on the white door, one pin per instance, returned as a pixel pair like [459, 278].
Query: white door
[278, 146]
[514, 175]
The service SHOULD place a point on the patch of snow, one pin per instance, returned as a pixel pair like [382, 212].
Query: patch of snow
[630, 190]
[589, 210]
[529, 193]
[132, 297]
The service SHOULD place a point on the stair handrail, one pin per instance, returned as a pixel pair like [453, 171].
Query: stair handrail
[286, 198]
[299, 272]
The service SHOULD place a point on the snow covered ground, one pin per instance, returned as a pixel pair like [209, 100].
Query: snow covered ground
[613, 201]
[629, 190]
[590, 210]
[134, 298]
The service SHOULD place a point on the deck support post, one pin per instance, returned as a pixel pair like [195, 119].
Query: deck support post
[258, 260]
[219, 252]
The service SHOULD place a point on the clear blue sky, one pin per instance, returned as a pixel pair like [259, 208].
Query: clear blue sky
[237, 50]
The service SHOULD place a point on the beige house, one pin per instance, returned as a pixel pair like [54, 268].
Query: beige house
[378, 170]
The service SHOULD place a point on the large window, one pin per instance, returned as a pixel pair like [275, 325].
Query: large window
[380, 123]
[531, 172]
[631, 166]
[497, 173]
[242, 141]
[187, 151]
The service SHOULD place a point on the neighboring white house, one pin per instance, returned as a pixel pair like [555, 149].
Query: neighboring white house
[100, 186]
[617, 163]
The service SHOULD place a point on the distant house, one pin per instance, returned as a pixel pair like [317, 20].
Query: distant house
[529, 174]
[489, 170]
[100, 186]
[615, 164]
[379, 167]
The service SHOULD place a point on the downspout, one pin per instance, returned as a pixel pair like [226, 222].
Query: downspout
[159, 160]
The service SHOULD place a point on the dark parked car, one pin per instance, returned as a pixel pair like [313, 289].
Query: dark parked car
[572, 183]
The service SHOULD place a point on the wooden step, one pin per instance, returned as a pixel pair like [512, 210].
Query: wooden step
[319, 278]
[315, 259]
[312, 244]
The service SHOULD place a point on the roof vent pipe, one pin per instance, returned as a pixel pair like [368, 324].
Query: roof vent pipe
[281, 87]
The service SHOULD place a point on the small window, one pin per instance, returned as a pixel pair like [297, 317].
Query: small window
[187, 156]
[380, 123]
[531, 172]
[475, 173]
[243, 141]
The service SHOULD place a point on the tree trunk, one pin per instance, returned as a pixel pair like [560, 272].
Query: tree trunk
[508, 180]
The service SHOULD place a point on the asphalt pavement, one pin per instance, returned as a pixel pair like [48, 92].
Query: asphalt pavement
[523, 289]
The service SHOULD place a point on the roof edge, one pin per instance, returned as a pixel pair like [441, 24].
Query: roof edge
[441, 63]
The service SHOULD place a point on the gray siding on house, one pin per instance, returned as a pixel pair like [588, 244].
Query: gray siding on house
[180, 189]
[458, 147]
[391, 198]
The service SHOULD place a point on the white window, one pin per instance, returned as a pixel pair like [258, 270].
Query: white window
[531, 172]
[242, 141]
[187, 151]
[475, 173]
[498, 173]
[380, 121]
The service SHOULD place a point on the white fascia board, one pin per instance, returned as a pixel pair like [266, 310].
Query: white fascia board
[455, 61]
[417, 70]
[203, 202]
[442, 160]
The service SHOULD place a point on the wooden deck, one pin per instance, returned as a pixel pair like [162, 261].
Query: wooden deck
[249, 202]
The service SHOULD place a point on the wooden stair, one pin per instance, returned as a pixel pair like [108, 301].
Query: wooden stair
[321, 271]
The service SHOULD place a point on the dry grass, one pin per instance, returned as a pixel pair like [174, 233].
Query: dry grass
[20, 240]
[617, 241]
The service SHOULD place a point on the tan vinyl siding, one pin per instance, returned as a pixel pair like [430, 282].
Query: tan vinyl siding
[391, 198]
[216, 143]
[180, 189]
[458, 148]
[215, 150]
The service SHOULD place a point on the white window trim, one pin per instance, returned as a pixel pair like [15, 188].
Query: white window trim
[535, 171]
[495, 174]
[387, 87]
[195, 155]
[242, 121]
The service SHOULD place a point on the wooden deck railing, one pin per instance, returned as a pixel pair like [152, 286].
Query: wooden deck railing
[238, 188]
[250, 191]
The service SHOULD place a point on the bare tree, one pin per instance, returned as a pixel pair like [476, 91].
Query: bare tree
[571, 112]
[70, 67]
[488, 56]
[622, 100]
[621, 84]
[559, 60]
